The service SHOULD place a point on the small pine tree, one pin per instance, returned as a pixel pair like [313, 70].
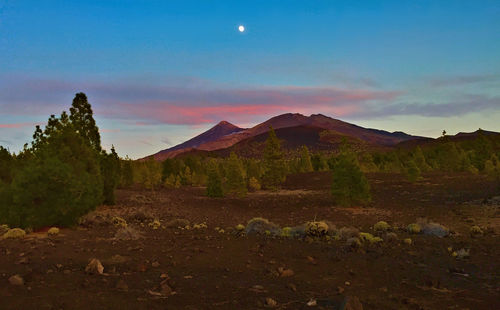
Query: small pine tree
[111, 173]
[349, 183]
[420, 161]
[254, 184]
[151, 173]
[214, 182]
[274, 165]
[235, 183]
[127, 174]
[412, 171]
[305, 160]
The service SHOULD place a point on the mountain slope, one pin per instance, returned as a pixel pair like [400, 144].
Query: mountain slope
[225, 135]
[222, 129]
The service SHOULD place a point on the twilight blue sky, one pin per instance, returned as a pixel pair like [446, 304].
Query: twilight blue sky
[160, 72]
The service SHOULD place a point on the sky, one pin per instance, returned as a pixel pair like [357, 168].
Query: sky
[160, 72]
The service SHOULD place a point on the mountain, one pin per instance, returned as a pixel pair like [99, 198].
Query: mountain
[220, 130]
[314, 130]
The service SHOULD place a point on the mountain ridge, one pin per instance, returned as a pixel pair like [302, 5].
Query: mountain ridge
[224, 134]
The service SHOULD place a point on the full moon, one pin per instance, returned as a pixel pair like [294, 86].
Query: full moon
[241, 28]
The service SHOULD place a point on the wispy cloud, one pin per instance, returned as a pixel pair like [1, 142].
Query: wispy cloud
[464, 80]
[18, 125]
[145, 102]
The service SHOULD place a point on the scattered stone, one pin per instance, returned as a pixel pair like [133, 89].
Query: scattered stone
[14, 233]
[340, 289]
[94, 267]
[118, 259]
[284, 273]
[155, 264]
[311, 260]
[53, 231]
[121, 285]
[312, 303]
[391, 237]
[347, 283]
[292, 287]
[346, 233]
[16, 280]
[351, 303]
[353, 242]
[177, 223]
[434, 229]
[271, 303]
[165, 289]
[258, 289]
[128, 233]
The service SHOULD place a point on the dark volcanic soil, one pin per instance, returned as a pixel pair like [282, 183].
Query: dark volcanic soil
[212, 270]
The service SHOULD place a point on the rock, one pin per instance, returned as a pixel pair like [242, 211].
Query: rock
[285, 272]
[351, 303]
[435, 229]
[121, 285]
[155, 264]
[260, 226]
[340, 289]
[353, 242]
[118, 259]
[53, 231]
[292, 287]
[127, 233]
[94, 267]
[312, 303]
[16, 280]
[165, 289]
[177, 223]
[271, 303]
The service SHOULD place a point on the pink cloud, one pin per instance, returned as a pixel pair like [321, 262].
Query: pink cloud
[18, 125]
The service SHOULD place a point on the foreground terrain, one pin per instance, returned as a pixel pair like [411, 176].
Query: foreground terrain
[170, 266]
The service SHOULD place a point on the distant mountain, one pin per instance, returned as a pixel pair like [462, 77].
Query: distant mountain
[218, 131]
[225, 135]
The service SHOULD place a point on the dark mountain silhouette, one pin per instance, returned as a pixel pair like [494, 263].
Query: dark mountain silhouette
[225, 135]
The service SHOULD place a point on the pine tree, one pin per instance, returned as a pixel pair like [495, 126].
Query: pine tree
[420, 161]
[412, 171]
[151, 173]
[305, 160]
[81, 116]
[235, 183]
[214, 182]
[349, 183]
[274, 166]
[127, 174]
[111, 173]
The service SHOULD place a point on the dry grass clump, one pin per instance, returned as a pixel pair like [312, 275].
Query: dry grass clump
[3, 229]
[14, 233]
[367, 237]
[476, 231]
[53, 231]
[118, 221]
[316, 229]
[155, 224]
[381, 226]
[414, 228]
